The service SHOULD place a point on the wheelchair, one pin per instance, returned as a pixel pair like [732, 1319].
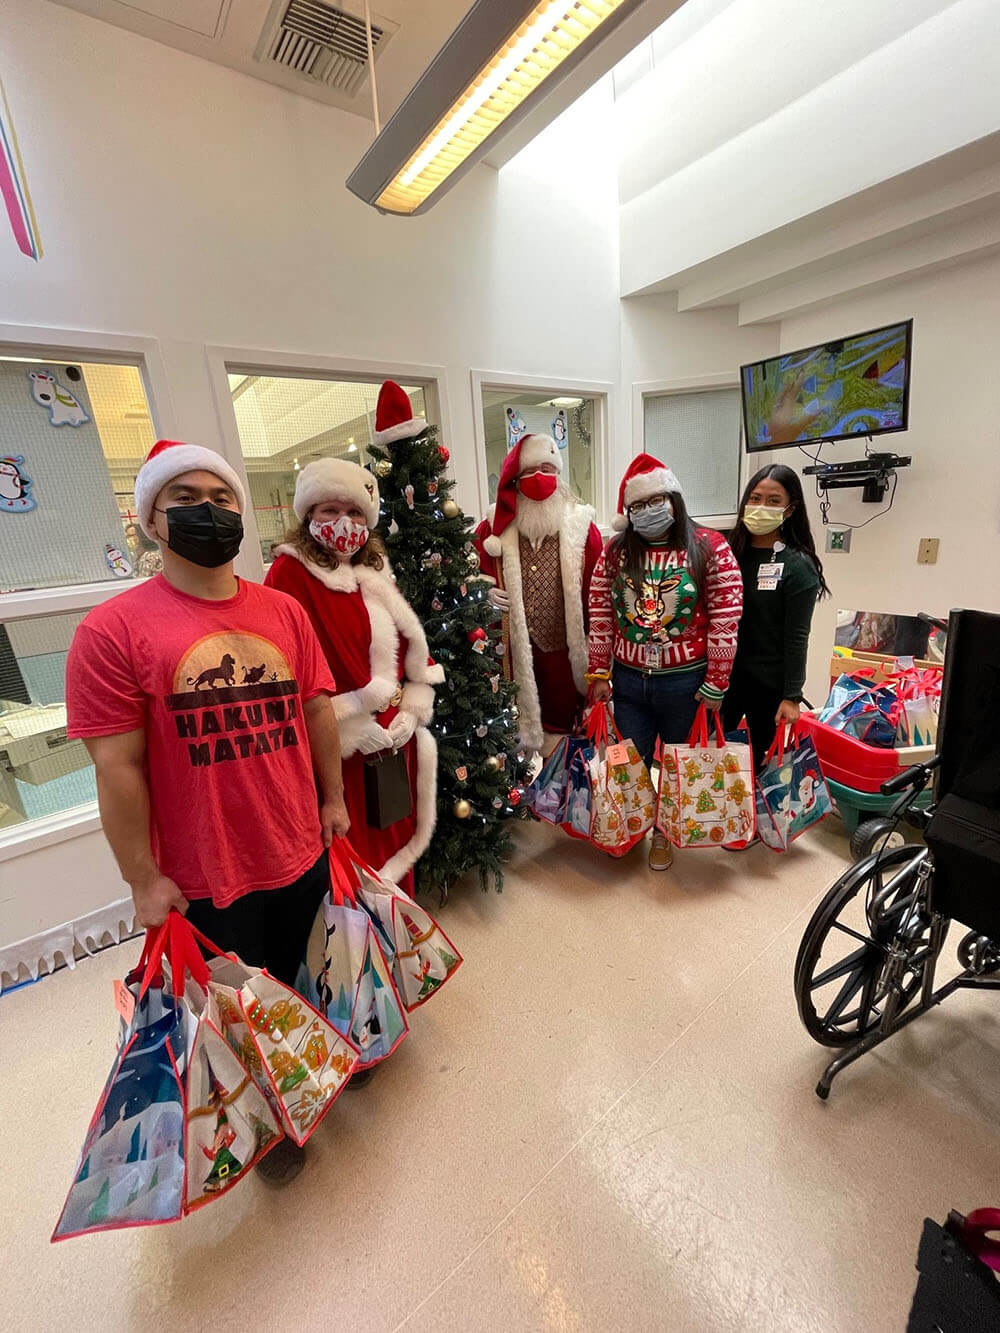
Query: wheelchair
[867, 963]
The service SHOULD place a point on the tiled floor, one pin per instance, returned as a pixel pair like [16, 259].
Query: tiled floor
[605, 1122]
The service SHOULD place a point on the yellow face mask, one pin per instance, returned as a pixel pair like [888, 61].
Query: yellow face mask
[762, 519]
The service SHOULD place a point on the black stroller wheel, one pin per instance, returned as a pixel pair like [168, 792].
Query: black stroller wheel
[842, 979]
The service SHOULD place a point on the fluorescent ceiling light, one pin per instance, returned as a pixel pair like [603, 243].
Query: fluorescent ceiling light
[503, 56]
[564, 402]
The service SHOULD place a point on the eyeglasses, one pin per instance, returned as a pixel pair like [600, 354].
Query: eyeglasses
[654, 502]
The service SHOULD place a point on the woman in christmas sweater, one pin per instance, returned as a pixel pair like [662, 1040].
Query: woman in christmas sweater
[376, 649]
[665, 605]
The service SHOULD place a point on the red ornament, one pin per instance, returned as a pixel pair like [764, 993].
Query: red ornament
[478, 638]
[514, 796]
[443, 453]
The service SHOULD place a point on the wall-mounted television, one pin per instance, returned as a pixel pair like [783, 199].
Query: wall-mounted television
[847, 387]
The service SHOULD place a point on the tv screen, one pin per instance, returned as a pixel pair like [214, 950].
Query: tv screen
[842, 388]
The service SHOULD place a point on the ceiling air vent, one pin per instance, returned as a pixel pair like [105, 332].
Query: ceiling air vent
[324, 44]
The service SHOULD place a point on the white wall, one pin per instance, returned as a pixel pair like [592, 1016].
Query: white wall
[185, 202]
[773, 111]
[952, 490]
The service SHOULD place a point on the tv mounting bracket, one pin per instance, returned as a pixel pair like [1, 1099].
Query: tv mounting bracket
[872, 474]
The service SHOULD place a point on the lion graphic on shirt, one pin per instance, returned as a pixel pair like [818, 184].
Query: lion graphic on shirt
[224, 672]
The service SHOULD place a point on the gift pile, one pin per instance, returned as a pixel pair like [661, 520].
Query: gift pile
[900, 709]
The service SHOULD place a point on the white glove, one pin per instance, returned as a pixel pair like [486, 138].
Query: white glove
[500, 598]
[401, 728]
[371, 738]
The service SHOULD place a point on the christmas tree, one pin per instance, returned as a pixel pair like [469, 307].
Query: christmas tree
[481, 772]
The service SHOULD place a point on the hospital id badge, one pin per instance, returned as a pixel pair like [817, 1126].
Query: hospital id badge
[767, 585]
[774, 571]
[654, 656]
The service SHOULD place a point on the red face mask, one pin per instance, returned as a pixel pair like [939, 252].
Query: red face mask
[538, 485]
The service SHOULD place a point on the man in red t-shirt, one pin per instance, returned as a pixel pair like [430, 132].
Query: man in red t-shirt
[204, 701]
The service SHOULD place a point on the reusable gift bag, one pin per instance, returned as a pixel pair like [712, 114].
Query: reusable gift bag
[791, 792]
[298, 1059]
[423, 957]
[349, 974]
[180, 1119]
[549, 794]
[387, 789]
[861, 709]
[623, 803]
[706, 789]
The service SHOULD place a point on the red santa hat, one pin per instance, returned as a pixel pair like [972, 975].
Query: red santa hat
[336, 479]
[394, 419]
[644, 476]
[171, 458]
[530, 452]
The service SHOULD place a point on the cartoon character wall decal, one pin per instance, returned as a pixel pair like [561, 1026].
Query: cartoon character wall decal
[63, 407]
[15, 486]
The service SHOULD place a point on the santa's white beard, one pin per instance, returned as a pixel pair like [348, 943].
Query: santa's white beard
[537, 519]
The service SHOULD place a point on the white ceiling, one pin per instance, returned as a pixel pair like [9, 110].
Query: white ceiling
[227, 32]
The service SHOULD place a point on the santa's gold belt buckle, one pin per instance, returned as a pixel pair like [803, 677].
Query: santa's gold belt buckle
[397, 698]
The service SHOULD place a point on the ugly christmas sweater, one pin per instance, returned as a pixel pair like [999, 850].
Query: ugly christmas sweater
[668, 623]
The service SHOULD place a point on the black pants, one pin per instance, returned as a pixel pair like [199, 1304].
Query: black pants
[269, 928]
[759, 704]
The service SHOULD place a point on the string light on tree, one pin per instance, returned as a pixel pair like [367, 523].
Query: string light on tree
[475, 720]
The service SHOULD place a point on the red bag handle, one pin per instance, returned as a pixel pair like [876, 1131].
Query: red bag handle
[777, 747]
[343, 881]
[699, 731]
[598, 724]
[978, 1224]
[175, 940]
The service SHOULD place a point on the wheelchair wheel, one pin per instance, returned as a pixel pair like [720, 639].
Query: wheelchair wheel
[842, 974]
[875, 835]
[978, 954]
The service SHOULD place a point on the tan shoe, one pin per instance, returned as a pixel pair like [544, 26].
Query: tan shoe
[661, 854]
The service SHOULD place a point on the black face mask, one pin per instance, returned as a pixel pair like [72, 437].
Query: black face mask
[205, 534]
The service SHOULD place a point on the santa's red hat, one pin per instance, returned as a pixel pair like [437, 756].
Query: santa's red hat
[530, 452]
[644, 476]
[394, 419]
[172, 458]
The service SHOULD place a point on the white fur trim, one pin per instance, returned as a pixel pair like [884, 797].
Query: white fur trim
[645, 484]
[336, 479]
[572, 549]
[390, 616]
[418, 699]
[619, 522]
[426, 799]
[493, 546]
[403, 430]
[536, 450]
[174, 462]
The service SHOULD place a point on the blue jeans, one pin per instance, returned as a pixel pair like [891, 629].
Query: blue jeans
[648, 706]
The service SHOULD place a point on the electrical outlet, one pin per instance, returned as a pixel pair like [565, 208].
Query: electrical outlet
[927, 551]
[838, 539]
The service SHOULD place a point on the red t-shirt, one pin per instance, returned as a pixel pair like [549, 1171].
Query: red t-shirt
[218, 688]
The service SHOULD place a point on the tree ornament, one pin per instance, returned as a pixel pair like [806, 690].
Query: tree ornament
[492, 764]
[383, 467]
[473, 561]
[436, 604]
[479, 639]
[495, 683]
[501, 648]
[408, 492]
[514, 796]
[461, 773]
[462, 809]
[443, 453]
[393, 528]
[450, 509]
[497, 803]
[482, 729]
[432, 486]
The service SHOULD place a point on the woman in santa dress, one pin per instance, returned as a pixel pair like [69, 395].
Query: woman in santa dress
[338, 569]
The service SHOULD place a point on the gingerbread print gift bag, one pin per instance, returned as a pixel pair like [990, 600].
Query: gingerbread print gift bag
[706, 796]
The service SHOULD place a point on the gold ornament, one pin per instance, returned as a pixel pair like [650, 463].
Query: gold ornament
[462, 809]
[383, 467]
[450, 509]
[492, 764]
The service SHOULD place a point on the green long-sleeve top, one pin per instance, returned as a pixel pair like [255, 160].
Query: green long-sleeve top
[774, 629]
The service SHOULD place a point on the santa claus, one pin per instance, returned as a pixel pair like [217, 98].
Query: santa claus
[539, 547]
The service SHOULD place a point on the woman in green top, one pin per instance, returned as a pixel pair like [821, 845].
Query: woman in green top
[782, 578]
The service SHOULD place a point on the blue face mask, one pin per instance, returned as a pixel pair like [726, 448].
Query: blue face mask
[652, 524]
